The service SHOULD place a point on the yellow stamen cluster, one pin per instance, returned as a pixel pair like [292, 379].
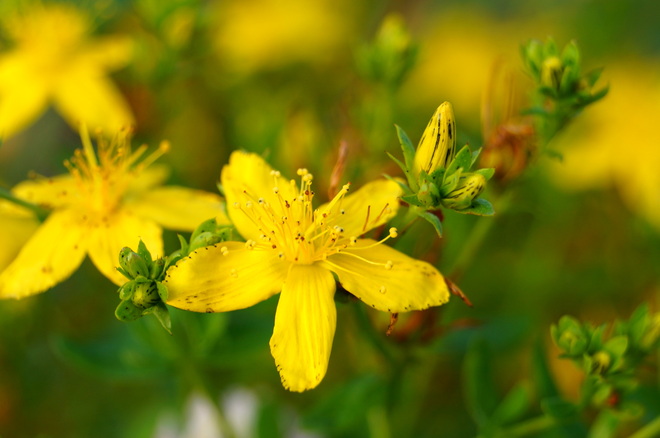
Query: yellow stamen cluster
[103, 177]
[298, 232]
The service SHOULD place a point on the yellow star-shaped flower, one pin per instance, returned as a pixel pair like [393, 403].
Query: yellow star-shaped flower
[54, 61]
[295, 249]
[110, 199]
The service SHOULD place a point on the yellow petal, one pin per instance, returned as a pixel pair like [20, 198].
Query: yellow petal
[23, 94]
[108, 236]
[51, 193]
[372, 205]
[304, 327]
[224, 277]
[49, 257]
[17, 224]
[387, 279]
[179, 208]
[85, 95]
[110, 52]
[247, 172]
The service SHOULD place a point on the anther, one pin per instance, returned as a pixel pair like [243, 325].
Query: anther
[250, 244]
[389, 265]
[224, 250]
[276, 190]
[353, 240]
[393, 232]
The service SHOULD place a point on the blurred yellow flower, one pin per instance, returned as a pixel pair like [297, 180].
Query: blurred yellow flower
[617, 141]
[254, 34]
[54, 61]
[111, 199]
[296, 249]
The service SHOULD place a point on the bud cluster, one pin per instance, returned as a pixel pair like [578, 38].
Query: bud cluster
[609, 363]
[440, 176]
[144, 293]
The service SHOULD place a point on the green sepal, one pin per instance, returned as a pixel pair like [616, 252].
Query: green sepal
[405, 170]
[126, 290]
[462, 160]
[571, 54]
[144, 252]
[479, 207]
[123, 272]
[450, 182]
[162, 291]
[412, 200]
[401, 184]
[157, 269]
[163, 315]
[184, 244]
[127, 311]
[432, 219]
[208, 225]
[475, 157]
[486, 172]
[406, 147]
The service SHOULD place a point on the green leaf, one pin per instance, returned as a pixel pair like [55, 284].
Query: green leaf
[163, 315]
[162, 291]
[605, 425]
[405, 170]
[403, 186]
[558, 408]
[433, 220]
[514, 405]
[479, 207]
[478, 385]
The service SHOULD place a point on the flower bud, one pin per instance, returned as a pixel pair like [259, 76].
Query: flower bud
[437, 147]
[132, 263]
[600, 363]
[470, 185]
[552, 71]
[145, 294]
[570, 336]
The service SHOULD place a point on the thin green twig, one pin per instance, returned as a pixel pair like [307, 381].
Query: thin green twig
[39, 212]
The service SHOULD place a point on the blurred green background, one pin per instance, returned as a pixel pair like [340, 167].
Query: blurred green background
[290, 79]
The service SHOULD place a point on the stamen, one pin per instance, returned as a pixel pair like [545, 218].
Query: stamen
[224, 250]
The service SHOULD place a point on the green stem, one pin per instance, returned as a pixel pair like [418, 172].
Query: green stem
[39, 212]
[651, 430]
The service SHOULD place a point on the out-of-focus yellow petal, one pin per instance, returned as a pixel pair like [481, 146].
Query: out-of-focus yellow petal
[224, 277]
[372, 205]
[387, 279]
[249, 173]
[48, 192]
[178, 208]
[107, 237]
[85, 95]
[55, 250]
[23, 94]
[304, 327]
[110, 53]
[17, 224]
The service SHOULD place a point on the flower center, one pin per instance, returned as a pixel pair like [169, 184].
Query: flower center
[292, 227]
[103, 178]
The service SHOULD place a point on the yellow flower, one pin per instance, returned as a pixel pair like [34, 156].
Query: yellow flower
[53, 61]
[109, 200]
[295, 249]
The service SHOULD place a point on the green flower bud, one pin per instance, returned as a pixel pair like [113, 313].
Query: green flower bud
[437, 147]
[552, 71]
[570, 336]
[132, 263]
[470, 186]
[145, 294]
[600, 363]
